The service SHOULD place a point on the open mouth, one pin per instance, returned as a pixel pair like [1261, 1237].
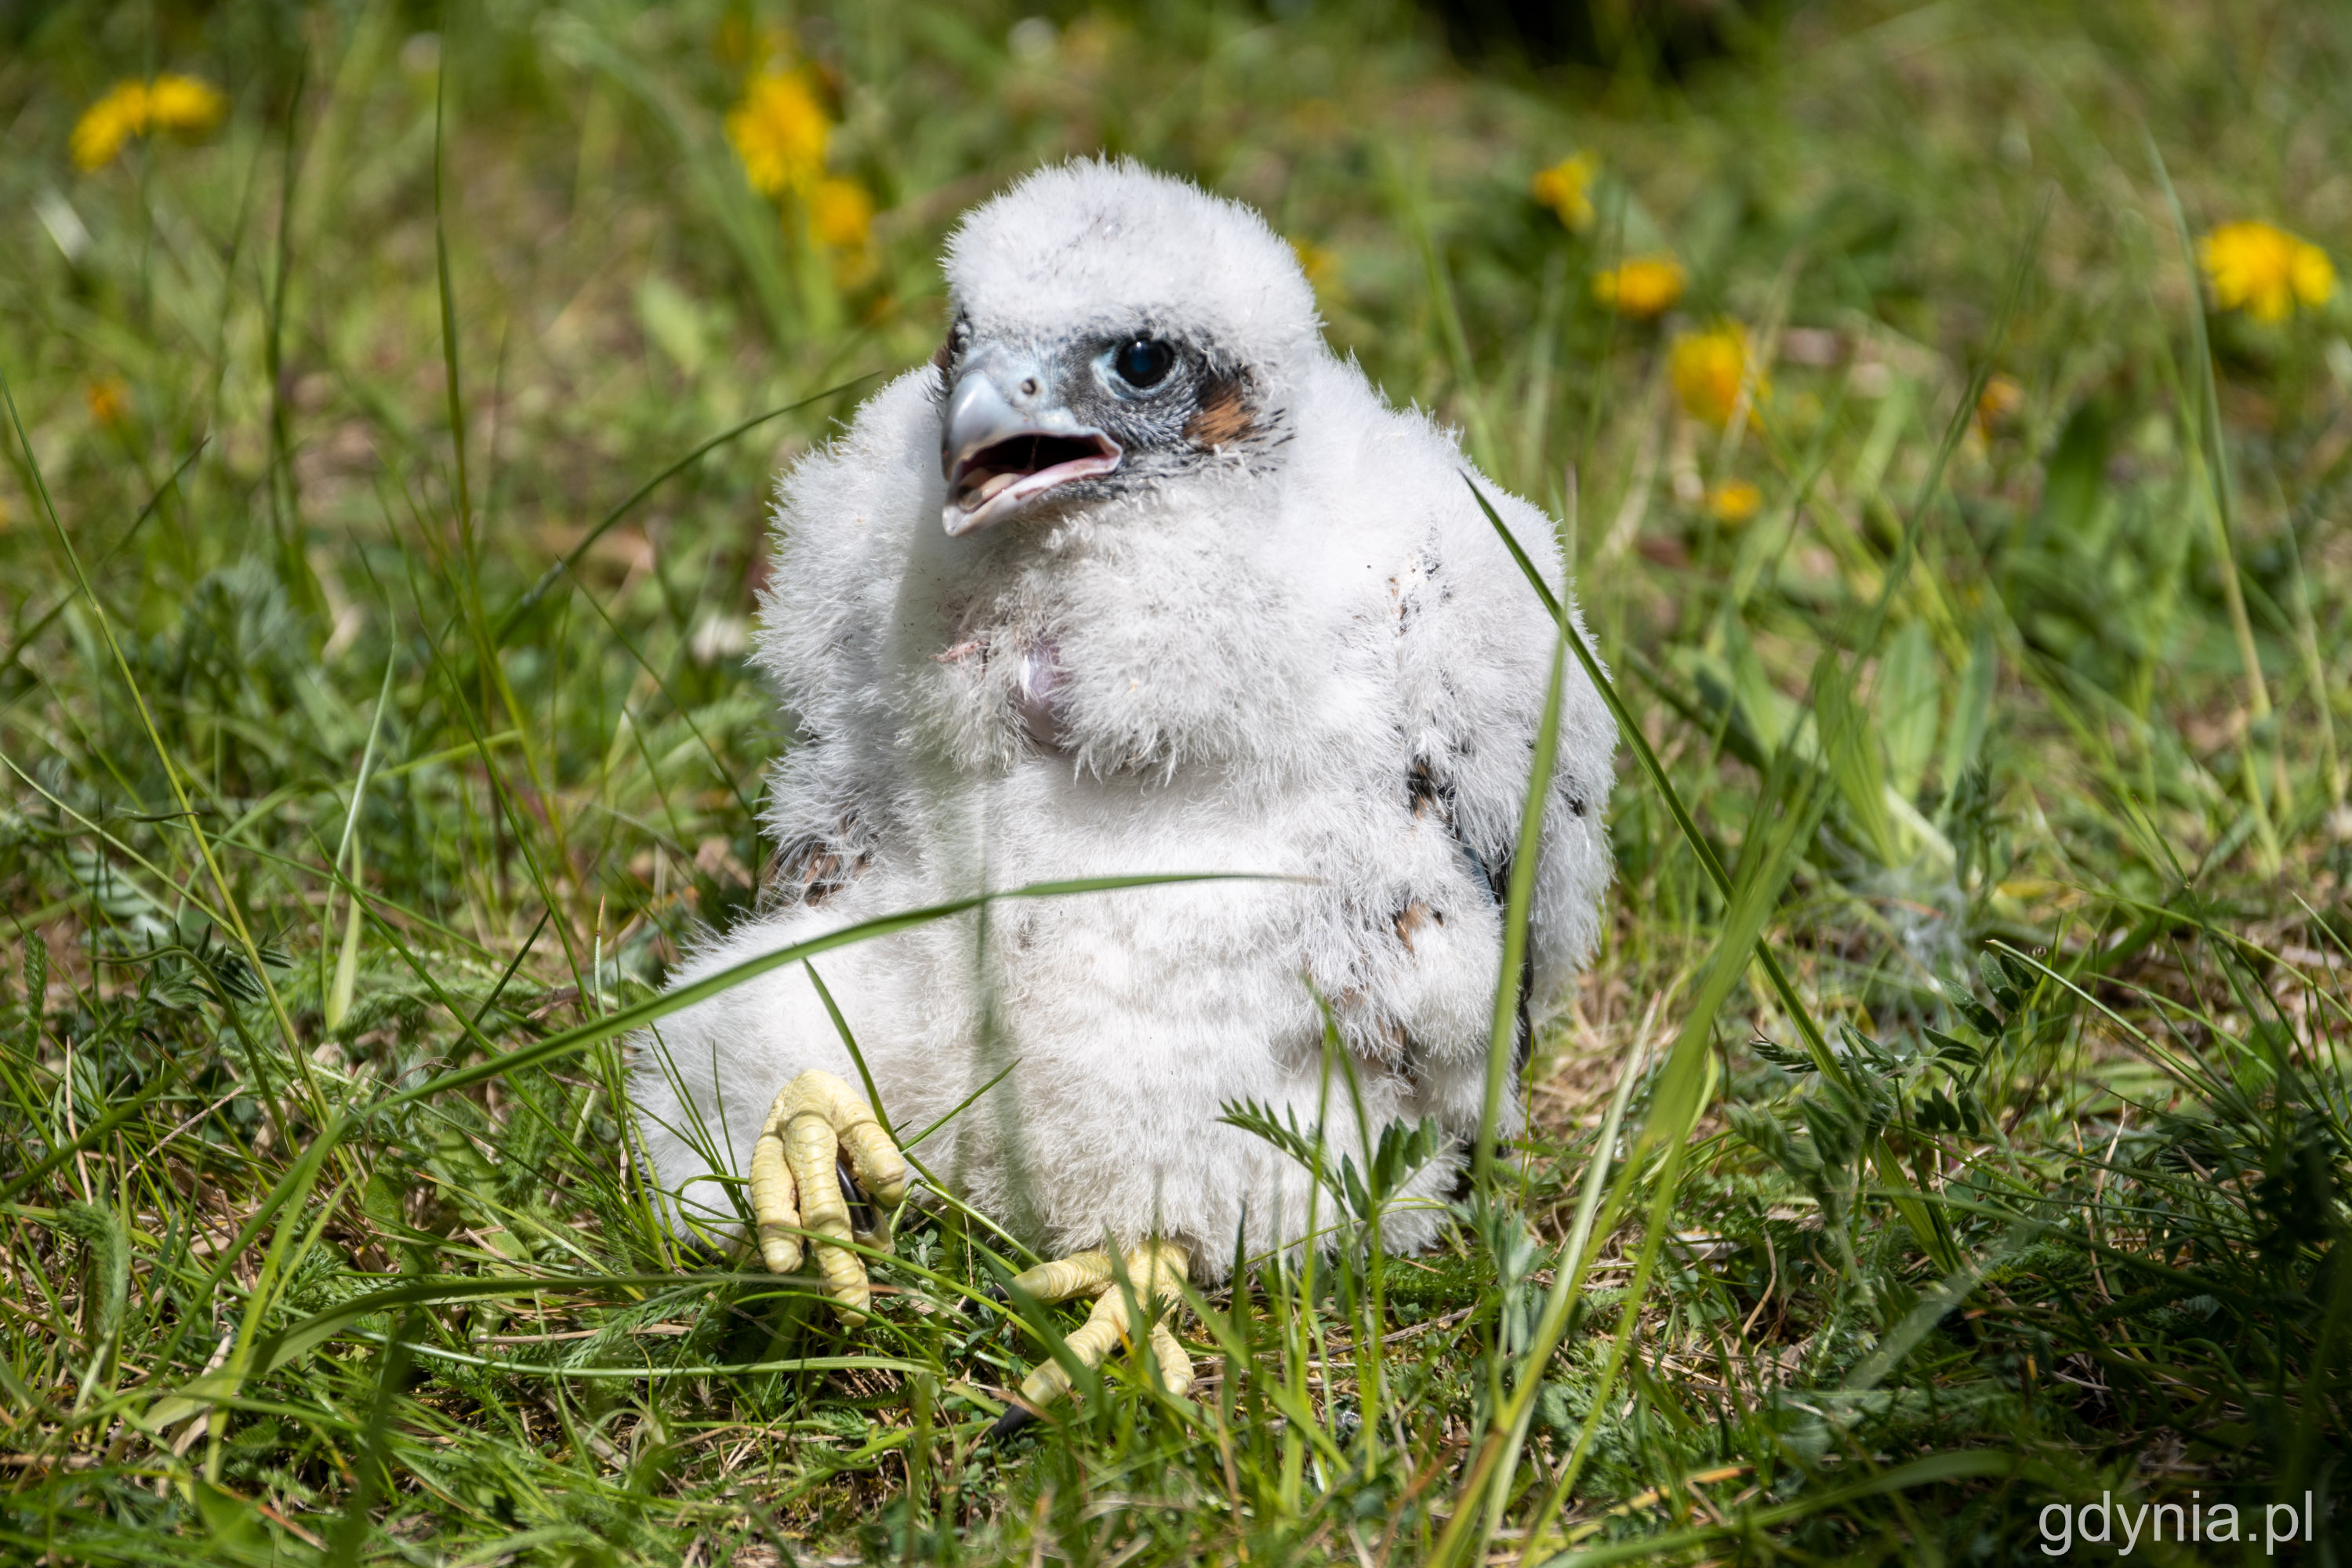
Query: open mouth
[985, 485]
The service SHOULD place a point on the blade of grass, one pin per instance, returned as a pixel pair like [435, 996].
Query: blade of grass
[1504, 1032]
[339, 991]
[2214, 452]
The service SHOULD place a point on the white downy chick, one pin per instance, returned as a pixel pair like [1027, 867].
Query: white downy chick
[1137, 577]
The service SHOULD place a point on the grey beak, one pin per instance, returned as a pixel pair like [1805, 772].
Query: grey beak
[1008, 438]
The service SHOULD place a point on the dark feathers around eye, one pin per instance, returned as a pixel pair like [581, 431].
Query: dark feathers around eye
[959, 338]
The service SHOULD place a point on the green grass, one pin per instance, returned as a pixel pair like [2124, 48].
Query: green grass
[1954, 1122]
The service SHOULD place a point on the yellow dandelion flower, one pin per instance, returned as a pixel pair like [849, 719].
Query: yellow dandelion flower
[841, 215]
[1708, 368]
[1320, 262]
[2314, 276]
[1643, 287]
[1733, 500]
[106, 126]
[109, 400]
[780, 131]
[1567, 188]
[183, 103]
[2264, 270]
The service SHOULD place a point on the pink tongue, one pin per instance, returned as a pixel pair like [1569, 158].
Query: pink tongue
[1041, 674]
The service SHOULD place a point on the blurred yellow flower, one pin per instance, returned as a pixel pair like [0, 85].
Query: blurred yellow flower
[1567, 188]
[183, 103]
[779, 130]
[109, 400]
[2264, 270]
[1708, 368]
[1320, 262]
[1643, 287]
[107, 124]
[132, 109]
[841, 215]
[1733, 500]
[1998, 403]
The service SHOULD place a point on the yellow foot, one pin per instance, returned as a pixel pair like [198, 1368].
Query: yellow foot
[797, 1184]
[1154, 1271]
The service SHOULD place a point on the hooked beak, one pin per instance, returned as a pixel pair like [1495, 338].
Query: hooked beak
[1008, 440]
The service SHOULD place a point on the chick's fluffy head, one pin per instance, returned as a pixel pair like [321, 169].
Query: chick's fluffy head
[1094, 246]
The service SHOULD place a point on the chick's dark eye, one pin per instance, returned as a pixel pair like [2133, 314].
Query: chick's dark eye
[1145, 361]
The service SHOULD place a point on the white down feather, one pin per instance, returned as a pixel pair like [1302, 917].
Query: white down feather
[1250, 663]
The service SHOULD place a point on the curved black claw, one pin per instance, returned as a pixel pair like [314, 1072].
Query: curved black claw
[862, 1217]
[1015, 1418]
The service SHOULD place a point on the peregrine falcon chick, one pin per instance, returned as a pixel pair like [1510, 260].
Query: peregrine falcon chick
[1136, 576]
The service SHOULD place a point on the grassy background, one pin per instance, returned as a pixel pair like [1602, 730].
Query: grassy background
[2010, 1172]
